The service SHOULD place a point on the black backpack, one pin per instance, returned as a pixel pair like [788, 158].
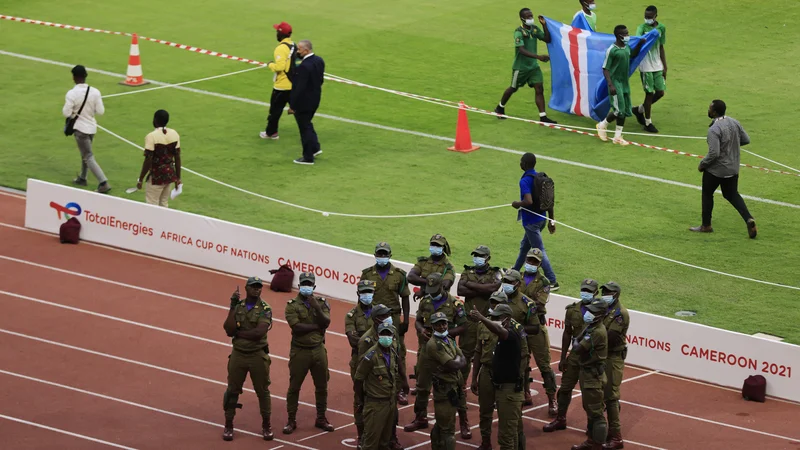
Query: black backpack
[543, 194]
[292, 57]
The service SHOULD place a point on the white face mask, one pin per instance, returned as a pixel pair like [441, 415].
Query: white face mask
[626, 39]
[591, 6]
[529, 22]
[649, 21]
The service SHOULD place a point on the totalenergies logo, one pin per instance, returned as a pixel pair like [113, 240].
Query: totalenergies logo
[72, 209]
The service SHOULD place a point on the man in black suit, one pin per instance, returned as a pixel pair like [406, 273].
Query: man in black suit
[305, 98]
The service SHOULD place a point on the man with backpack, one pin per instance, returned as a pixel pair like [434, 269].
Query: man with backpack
[283, 66]
[537, 200]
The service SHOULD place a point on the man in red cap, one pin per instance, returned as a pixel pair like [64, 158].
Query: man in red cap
[283, 67]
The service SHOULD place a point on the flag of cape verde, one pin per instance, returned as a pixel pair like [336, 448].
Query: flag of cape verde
[576, 63]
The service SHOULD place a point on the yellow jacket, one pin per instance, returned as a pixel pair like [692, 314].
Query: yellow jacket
[281, 66]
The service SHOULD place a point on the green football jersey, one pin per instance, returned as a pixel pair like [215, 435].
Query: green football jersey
[652, 60]
[527, 39]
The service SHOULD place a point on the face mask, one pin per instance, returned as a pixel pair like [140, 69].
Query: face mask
[382, 261]
[529, 22]
[478, 261]
[591, 6]
[366, 298]
[437, 298]
[508, 288]
[490, 310]
[586, 297]
[588, 317]
[626, 39]
[609, 299]
[388, 321]
[306, 290]
[649, 21]
[442, 335]
[385, 341]
[436, 251]
[530, 268]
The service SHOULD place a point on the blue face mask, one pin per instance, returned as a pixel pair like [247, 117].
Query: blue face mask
[478, 261]
[436, 251]
[442, 335]
[366, 298]
[609, 299]
[588, 317]
[385, 341]
[382, 261]
[437, 298]
[586, 297]
[388, 321]
[508, 288]
[530, 268]
[306, 290]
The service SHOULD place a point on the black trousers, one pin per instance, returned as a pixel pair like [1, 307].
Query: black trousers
[277, 102]
[730, 191]
[308, 137]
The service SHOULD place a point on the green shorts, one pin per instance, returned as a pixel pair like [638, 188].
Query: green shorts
[520, 77]
[621, 103]
[653, 81]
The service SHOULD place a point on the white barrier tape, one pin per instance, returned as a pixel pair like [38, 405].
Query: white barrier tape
[449, 103]
[663, 258]
[119, 94]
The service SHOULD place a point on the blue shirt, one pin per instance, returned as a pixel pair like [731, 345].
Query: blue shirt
[526, 187]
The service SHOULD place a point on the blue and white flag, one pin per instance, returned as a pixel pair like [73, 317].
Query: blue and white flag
[576, 63]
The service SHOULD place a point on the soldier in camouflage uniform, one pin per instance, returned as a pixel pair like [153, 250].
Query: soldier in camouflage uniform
[537, 287]
[357, 322]
[247, 323]
[376, 385]
[616, 323]
[391, 289]
[437, 299]
[569, 364]
[591, 346]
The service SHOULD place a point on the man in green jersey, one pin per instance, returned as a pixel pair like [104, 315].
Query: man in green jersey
[587, 9]
[653, 68]
[526, 68]
[616, 69]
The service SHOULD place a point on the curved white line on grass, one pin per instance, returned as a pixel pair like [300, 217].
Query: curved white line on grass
[409, 132]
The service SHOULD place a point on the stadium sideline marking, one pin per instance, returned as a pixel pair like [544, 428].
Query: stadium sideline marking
[414, 133]
[68, 433]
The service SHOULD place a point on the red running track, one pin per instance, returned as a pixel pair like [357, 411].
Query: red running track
[101, 348]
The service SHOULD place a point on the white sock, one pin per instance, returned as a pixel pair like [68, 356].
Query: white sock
[641, 109]
[501, 105]
[604, 123]
[542, 114]
[618, 132]
[647, 121]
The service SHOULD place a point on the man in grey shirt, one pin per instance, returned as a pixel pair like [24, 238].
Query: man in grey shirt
[86, 125]
[720, 167]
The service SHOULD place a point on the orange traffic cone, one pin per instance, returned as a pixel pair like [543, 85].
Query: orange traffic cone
[463, 140]
[134, 75]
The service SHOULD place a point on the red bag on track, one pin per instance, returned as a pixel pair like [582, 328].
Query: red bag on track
[755, 388]
[282, 279]
[70, 231]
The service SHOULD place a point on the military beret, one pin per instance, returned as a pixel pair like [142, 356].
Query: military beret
[254, 280]
[366, 285]
[482, 250]
[438, 317]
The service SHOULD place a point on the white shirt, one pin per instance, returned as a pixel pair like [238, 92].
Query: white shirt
[304, 57]
[94, 106]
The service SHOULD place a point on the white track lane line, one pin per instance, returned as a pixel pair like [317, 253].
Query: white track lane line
[59, 430]
[139, 405]
[411, 132]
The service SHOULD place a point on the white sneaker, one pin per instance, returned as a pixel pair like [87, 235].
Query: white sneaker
[319, 152]
[601, 132]
[620, 141]
[264, 135]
